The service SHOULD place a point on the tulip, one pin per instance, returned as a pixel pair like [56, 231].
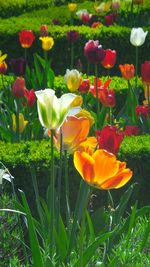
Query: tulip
[84, 86]
[142, 110]
[96, 25]
[100, 8]
[86, 114]
[18, 66]
[18, 88]
[72, 36]
[30, 96]
[131, 130]
[145, 72]
[137, 37]
[74, 131]
[147, 94]
[52, 111]
[100, 87]
[94, 52]
[3, 65]
[127, 71]
[101, 169]
[115, 4]
[22, 123]
[72, 79]
[47, 43]
[110, 59]
[110, 19]
[56, 21]
[81, 12]
[110, 138]
[107, 98]
[86, 17]
[26, 38]
[72, 7]
[44, 31]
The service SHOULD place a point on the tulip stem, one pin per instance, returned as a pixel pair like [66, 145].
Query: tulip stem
[17, 121]
[67, 192]
[136, 66]
[52, 181]
[72, 55]
[25, 53]
[110, 116]
[59, 180]
[97, 99]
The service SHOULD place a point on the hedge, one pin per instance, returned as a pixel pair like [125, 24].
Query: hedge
[19, 157]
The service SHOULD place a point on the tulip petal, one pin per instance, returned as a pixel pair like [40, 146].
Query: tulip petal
[118, 180]
[65, 102]
[105, 166]
[84, 163]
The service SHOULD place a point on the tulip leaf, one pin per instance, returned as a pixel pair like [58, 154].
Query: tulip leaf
[35, 247]
[89, 252]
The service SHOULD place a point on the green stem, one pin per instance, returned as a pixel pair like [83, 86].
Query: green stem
[81, 245]
[110, 116]
[52, 182]
[136, 67]
[97, 99]
[17, 122]
[67, 192]
[59, 180]
[72, 55]
[25, 53]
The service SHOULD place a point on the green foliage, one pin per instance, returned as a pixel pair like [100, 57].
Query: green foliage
[19, 157]
[10, 248]
[131, 255]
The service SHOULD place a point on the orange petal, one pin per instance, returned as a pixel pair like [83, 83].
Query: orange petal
[84, 164]
[118, 180]
[89, 145]
[106, 166]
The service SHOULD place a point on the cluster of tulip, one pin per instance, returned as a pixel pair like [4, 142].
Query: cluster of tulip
[107, 13]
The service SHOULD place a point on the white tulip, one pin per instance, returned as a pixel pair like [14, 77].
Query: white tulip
[73, 80]
[5, 175]
[137, 37]
[53, 111]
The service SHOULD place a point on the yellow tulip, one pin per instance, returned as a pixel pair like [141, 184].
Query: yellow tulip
[47, 42]
[2, 57]
[102, 169]
[77, 102]
[22, 123]
[73, 80]
[72, 7]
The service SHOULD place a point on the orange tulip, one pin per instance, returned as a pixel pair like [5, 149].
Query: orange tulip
[102, 169]
[74, 131]
[127, 71]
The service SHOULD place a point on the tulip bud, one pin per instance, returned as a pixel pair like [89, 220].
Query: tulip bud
[43, 30]
[72, 79]
[31, 97]
[84, 86]
[22, 123]
[131, 130]
[72, 7]
[94, 52]
[3, 67]
[26, 38]
[127, 71]
[18, 88]
[47, 43]
[142, 110]
[145, 72]
[72, 36]
[137, 37]
[18, 66]
[110, 59]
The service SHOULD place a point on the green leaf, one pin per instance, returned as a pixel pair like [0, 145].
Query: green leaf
[120, 209]
[61, 239]
[35, 247]
[90, 225]
[89, 252]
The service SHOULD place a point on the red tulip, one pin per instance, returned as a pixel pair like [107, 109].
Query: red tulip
[84, 86]
[142, 110]
[30, 95]
[107, 98]
[85, 17]
[131, 130]
[3, 67]
[110, 59]
[44, 31]
[110, 138]
[110, 19]
[72, 36]
[26, 38]
[145, 72]
[94, 52]
[18, 88]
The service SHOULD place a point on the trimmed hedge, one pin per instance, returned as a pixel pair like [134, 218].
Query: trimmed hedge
[114, 37]
[19, 157]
